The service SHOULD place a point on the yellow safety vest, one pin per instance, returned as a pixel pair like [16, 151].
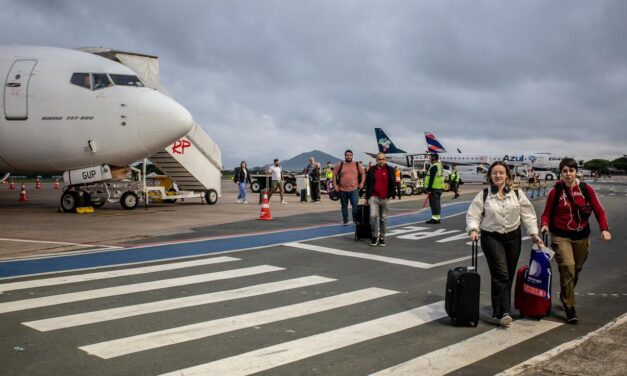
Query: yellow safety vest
[438, 181]
[455, 176]
[329, 173]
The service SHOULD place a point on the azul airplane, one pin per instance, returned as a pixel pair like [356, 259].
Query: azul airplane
[66, 110]
[539, 161]
[394, 154]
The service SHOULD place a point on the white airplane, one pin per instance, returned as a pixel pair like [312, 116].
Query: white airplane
[70, 111]
[539, 161]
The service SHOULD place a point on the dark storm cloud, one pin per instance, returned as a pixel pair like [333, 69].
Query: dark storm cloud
[274, 78]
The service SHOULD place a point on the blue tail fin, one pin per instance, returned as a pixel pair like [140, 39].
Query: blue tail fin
[385, 144]
[433, 145]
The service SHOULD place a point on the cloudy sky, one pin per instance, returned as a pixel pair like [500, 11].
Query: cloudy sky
[272, 79]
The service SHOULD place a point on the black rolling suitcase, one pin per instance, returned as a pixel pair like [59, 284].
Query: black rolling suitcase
[462, 292]
[362, 223]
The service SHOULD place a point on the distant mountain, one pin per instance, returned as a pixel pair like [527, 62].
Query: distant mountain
[299, 162]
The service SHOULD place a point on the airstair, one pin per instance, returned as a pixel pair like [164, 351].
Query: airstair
[193, 163]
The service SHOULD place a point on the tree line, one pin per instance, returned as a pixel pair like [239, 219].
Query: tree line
[604, 165]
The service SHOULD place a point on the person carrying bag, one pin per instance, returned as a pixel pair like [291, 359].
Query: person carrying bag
[497, 213]
[568, 207]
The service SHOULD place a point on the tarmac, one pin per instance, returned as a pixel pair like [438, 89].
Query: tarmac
[35, 229]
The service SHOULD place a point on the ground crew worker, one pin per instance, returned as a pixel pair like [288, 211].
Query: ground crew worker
[454, 181]
[434, 182]
[328, 173]
[397, 172]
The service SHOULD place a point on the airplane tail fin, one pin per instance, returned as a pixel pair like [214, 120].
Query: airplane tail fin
[385, 144]
[433, 145]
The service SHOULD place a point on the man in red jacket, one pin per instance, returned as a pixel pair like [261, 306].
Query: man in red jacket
[380, 187]
[566, 214]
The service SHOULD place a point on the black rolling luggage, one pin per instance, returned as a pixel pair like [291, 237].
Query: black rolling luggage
[362, 223]
[462, 292]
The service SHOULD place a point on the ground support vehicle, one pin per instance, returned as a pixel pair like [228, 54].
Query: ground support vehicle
[259, 182]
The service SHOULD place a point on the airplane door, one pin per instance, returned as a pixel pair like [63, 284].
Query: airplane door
[16, 89]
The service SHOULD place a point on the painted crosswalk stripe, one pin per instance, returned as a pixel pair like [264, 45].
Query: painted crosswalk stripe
[112, 274]
[128, 289]
[170, 304]
[471, 350]
[288, 352]
[125, 346]
[367, 256]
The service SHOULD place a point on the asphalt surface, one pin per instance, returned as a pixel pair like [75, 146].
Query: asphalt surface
[388, 309]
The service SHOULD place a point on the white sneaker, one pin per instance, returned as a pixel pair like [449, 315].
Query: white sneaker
[245, 202]
[283, 202]
[506, 320]
[239, 201]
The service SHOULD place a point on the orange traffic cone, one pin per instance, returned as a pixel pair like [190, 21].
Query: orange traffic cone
[23, 196]
[265, 208]
[38, 184]
[56, 184]
[12, 185]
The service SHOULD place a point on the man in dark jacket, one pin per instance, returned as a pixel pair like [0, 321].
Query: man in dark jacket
[380, 187]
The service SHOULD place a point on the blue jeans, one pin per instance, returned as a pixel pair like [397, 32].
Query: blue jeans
[242, 191]
[353, 196]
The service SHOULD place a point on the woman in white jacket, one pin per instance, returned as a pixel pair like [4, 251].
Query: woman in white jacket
[497, 213]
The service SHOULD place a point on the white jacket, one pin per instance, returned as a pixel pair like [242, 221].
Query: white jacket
[502, 215]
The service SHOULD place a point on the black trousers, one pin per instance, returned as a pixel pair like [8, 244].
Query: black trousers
[502, 252]
[315, 190]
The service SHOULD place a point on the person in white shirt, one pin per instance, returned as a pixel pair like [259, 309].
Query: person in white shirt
[497, 213]
[276, 180]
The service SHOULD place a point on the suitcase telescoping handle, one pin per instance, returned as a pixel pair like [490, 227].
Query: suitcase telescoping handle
[474, 245]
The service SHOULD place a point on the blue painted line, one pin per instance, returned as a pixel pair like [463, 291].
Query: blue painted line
[202, 247]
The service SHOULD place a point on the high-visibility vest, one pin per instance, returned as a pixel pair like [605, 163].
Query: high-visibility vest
[329, 173]
[454, 176]
[398, 176]
[438, 181]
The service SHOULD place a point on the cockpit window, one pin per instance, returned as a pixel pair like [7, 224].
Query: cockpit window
[101, 80]
[81, 79]
[126, 80]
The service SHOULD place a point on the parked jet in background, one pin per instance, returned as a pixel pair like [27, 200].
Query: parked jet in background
[394, 154]
[539, 161]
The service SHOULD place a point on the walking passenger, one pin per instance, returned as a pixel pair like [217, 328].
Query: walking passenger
[380, 186]
[242, 178]
[565, 215]
[314, 183]
[311, 173]
[434, 183]
[276, 182]
[497, 213]
[349, 179]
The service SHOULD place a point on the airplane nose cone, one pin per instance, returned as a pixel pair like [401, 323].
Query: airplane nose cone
[161, 121]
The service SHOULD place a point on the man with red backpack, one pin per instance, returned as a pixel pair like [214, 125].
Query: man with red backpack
[568, 207]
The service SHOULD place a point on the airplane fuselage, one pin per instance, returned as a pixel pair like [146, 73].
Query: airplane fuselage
[65, 109]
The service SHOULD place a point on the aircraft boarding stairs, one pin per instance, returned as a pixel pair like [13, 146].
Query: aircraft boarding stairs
[193, 163]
